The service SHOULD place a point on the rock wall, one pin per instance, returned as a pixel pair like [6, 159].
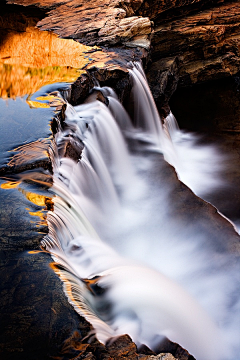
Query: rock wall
[203, 44]
[188, 41]
[207, 43]
[94, 23]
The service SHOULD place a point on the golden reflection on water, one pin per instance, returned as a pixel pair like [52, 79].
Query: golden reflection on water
[10, 184]
[34, 58]
[17, 80]
[40, 200]
[50, 101]
[45, 202]
[35, 252]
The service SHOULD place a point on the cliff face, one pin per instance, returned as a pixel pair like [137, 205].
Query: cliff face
[206, 42]
[200, 45]
[93, 23]
[189, 41]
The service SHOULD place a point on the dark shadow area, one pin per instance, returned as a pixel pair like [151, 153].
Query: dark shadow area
[213, 110]
[176, 12]
[211, 106]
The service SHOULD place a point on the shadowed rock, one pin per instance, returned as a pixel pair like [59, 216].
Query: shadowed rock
[206, 42]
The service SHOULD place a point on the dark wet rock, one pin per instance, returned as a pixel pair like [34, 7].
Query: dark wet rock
[73, 150]
[96, 95]
[120, 348]
[163, 76]
[168, 347]
[108, 68]
[81, 89]
[206, 42]
[17, 169]
[116, 77]
[36, 316]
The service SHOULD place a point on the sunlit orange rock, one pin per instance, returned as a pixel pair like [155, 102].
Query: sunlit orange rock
[94, 22]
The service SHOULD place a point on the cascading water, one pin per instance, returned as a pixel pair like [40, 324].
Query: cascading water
[197, 165]
[128, 265]
[145, 112]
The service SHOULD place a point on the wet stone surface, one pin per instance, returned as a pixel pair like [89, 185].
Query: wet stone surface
[34, 309]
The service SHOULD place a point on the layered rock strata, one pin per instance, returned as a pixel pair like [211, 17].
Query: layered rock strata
[94, 23]
[191, 41]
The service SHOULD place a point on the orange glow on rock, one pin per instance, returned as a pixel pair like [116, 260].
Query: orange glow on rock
[36, 199]
[32, 252]
[10, 184]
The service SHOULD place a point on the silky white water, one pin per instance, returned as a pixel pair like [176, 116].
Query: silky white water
[114, 222]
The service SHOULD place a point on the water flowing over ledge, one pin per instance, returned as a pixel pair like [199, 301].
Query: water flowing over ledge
[128, 265]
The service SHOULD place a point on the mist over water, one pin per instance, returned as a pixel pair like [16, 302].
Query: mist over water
[115, 228]
[197, 165]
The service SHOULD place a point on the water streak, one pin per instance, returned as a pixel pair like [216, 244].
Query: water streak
[129, 265]
[197, 165]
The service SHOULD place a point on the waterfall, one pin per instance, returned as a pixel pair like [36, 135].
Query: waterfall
[146, 116]
[127, 264]
[197, 165]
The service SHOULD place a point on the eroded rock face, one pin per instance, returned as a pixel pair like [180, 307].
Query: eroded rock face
[206, 42]
[110, 68]
[203, 35]
[198, 45]
[160, 10]
[93, 23]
